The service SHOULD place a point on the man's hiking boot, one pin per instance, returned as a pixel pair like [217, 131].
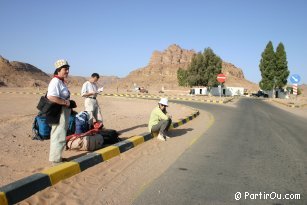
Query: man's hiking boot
[160, 137]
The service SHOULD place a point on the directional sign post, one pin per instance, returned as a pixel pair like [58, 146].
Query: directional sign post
[295, 79]
[294, 87]
[220, 90]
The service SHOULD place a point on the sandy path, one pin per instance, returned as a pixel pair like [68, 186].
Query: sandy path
[299, 111]
[120, 180]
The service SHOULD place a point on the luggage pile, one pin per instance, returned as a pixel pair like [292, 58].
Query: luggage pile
[80, 135]
[89, 140]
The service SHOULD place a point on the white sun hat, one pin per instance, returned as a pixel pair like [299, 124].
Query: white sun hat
[60, 63]
[164, 101]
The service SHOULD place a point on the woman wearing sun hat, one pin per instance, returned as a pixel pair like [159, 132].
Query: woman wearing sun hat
[160, 120]
[59, 94]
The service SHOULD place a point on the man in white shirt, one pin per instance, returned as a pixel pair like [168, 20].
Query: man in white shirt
[89, 92]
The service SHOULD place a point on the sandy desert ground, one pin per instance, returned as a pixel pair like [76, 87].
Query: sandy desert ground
[285, 104]
[20, 156]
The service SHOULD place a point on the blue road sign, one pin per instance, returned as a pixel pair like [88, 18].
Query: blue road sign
[295, 78]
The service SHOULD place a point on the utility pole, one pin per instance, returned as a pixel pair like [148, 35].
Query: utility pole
[273, 94]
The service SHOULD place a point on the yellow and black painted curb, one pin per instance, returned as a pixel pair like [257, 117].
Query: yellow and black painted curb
[288, 105]
[169, 97]
[135, 96]
[20, 92]
[26, 187]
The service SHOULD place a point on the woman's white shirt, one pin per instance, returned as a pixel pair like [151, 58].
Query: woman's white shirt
[58, 89]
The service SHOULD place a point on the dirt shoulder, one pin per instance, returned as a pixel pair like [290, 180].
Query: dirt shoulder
[20, 156]
[301, 110]
[121, 179]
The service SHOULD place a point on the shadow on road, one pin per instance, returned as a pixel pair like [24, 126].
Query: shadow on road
[132, 128]
[178, 132]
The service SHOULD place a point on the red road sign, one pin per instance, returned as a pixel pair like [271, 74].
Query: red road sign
[221, 78]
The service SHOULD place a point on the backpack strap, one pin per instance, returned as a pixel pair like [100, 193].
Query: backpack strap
[76, 136]
[35, 132]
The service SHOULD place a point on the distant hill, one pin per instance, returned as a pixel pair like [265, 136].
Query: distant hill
[18, 74]
[161, 71]
[107, 81]
[235, 78]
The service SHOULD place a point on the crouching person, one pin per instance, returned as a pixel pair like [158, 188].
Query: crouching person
[160, 120]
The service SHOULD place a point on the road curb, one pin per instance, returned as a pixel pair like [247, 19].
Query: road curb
[170, 97]
[28, 186]
[285, 104]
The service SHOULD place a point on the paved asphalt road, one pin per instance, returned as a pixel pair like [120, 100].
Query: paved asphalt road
[255, 149]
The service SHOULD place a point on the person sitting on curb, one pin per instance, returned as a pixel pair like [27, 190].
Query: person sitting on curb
[160, 120]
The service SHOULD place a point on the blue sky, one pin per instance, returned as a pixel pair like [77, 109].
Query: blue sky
[117, 37]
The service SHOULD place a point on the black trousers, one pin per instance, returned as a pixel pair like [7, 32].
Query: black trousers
[162, 126]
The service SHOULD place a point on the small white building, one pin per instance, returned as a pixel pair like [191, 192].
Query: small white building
[199, 91]
[279, 93]
[216, 91]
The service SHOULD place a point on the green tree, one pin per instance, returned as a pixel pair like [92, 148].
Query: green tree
[267, 67]
[282, 72]
[194, 76]
[213, 67]
[182, 76]
[203, 69]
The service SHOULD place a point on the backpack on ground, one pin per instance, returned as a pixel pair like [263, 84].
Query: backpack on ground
[41, 130]
[81, 121]
[72, 123]
[110, 136]
[86, 143]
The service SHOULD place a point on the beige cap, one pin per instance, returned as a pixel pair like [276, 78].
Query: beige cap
[60, 63]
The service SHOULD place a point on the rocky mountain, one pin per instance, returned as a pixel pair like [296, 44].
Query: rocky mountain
[162, 71]
[235, 78]
[18, 74]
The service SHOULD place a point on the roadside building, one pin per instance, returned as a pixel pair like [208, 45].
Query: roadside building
[279, 93]
[216, 91]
